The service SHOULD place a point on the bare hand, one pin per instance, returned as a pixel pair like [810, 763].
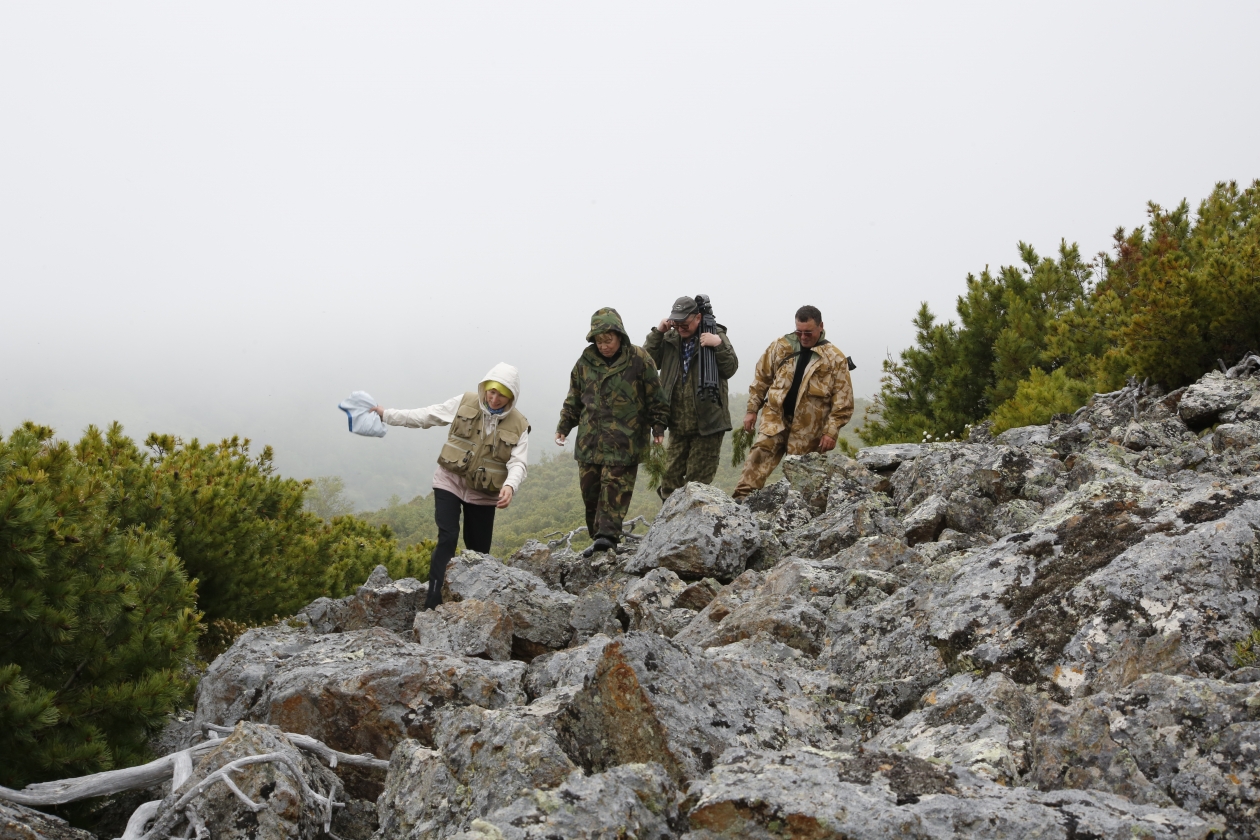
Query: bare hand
[710, 340]
[750, 421]
[560, 439]
[505, 497]
[377, 410]
[658, 439]
[826, 443]
[664, 326]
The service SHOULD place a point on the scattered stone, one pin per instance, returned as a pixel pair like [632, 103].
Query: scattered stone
[888, 457]
[359, 692]
[1206, 399]
[700, 532]
[485, 760]
[649, 699]
[466, 628]
[21, 823]
[798, 793]
[540, 614]
[982, 724]
[631, 800]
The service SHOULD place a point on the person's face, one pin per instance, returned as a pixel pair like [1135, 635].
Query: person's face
[808, 332]
[688, 326]
[495, 400]
[608, 344]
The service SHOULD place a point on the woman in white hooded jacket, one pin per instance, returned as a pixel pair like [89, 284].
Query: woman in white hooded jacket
[481, 465]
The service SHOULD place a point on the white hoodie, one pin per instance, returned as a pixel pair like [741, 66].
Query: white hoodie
[443, 413]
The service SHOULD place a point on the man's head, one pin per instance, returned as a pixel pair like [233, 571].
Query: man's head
[685, 317]
[809, 326]
[608, 343]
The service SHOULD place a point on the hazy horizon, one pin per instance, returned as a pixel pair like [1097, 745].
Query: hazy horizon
[221, 220]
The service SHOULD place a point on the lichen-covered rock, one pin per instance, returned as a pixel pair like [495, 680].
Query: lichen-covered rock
[1024, 437]
[982, 724]
[927, 520]
[540, 614]
[564, 668]
[359, 692]
[780, 607]
[1193, 741]
[20, 823]
[538, 559]
[766, 795]
[379, 602]
[595, 612]
[632, 800]
[485, 760]
[700, 532]
[648, 603]
[888, 457]
[236, 679]
[1215, 393]
[466, 628]
[650, 699]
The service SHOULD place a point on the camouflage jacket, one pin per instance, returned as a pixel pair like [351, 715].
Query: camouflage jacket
[824, 403]
[687, 413]
[614, 403]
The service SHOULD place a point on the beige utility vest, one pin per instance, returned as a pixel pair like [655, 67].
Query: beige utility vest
[468, 452]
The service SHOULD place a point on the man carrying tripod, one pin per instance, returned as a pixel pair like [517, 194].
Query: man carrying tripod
[695, 359]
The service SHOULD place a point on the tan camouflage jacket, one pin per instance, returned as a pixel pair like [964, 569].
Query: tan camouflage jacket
[824, 403]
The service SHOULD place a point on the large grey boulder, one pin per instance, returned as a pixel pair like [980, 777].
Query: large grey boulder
[631, 800]
[1024, 437]
[379, 602]
[484, 760]
[466, 628]
[540, 614]
[359, 692]
[983, 724]
[1212, 395]
[700, 532]
[21, 823]
[765, 795]
[888, 457]
[780, 607]
[1162, 738]
[649, 603]
[649, 699]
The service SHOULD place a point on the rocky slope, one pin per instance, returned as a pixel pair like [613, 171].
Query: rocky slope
[1048, 633]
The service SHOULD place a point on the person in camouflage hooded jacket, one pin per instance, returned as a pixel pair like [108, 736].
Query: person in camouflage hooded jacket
[614, 400]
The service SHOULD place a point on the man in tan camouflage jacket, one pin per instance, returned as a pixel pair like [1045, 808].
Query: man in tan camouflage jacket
[802, 390]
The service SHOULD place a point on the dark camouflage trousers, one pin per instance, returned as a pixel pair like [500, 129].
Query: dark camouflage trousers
[691, 457]
[763, 457]
[606, 492]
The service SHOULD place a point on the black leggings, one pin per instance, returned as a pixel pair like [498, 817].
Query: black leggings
[478, 529]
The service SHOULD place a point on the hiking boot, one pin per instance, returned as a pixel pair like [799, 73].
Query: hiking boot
[600, 544]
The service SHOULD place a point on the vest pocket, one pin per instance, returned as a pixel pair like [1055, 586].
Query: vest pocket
[487, 478]
[464, 421]
[503, 447]
[455, 456]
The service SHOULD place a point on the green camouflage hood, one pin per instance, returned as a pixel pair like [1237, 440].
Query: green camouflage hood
[604, 320]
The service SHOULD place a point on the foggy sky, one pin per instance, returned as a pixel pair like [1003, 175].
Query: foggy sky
[220, 219]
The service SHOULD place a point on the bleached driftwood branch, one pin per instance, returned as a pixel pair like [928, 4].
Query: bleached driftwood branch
[1246, 365]
[106, 783]
[567, 539]
[308, 744]
[155, 772]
